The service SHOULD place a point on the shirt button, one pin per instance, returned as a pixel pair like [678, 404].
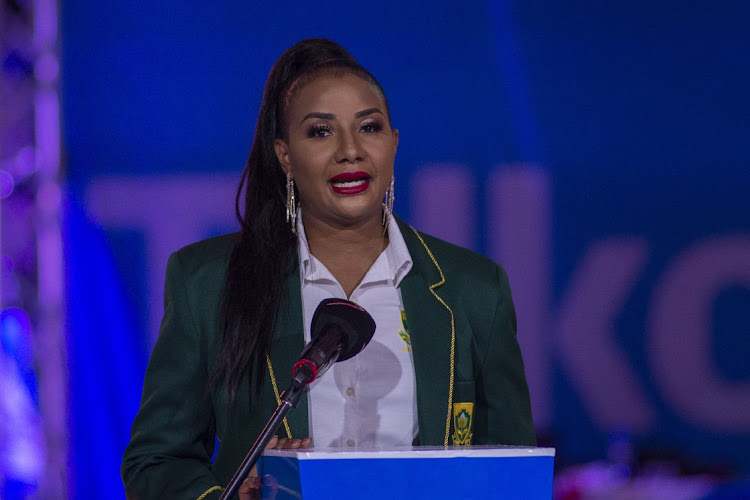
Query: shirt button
[350, 443]
[350, 391]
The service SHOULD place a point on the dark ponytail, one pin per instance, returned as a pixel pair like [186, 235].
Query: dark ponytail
[266, 250]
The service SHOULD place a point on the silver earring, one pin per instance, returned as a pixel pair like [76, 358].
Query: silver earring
[291, 204]
[390, 196]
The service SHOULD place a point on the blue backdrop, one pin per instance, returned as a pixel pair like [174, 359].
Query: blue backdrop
[598, 150]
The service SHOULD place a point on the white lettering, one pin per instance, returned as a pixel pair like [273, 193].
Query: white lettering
[518, 237]
[680, 334]
[442, 203]
[171, 212]
[585, 334]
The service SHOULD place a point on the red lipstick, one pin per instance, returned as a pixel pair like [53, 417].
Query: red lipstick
[348, 183]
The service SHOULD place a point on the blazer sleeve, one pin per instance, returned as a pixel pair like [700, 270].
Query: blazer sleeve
[504, 415]
[172, 438]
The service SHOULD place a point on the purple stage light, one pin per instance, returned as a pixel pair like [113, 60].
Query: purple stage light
[15, 335]
[6, 184]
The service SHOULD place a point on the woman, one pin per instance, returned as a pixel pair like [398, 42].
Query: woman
[443, 367]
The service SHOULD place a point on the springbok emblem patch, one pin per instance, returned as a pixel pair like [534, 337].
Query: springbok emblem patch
[462, 420]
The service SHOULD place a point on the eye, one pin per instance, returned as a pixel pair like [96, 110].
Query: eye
[319, 130]
[371, 127]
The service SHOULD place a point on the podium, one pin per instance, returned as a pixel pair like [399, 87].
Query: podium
[408, 473]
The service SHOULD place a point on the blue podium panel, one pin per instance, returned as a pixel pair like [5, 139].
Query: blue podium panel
[409, 473]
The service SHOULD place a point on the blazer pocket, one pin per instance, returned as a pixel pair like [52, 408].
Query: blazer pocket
[464, 392]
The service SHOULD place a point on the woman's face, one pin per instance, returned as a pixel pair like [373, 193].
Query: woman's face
[339, 150]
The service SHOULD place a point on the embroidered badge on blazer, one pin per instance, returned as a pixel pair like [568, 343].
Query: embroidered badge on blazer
[463, 414]
[404, 334]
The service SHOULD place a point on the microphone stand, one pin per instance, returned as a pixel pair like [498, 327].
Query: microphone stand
[289, 399]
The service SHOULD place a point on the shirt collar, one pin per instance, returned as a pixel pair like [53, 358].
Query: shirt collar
[399, 259]
[396, 257]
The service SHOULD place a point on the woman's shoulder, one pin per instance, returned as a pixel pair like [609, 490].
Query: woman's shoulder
[470, 282]
[453, 254]
[210, 252]
[451, 259]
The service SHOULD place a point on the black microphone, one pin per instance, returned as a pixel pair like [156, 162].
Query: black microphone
[340, 329]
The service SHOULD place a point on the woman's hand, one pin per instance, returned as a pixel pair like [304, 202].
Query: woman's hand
[250, 488]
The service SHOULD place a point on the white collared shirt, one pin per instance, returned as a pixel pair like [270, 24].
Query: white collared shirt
[369, 400]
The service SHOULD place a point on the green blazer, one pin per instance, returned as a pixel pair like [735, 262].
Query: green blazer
[459, 313]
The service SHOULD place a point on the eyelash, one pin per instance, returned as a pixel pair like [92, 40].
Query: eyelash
[372, 126]
[321, 130]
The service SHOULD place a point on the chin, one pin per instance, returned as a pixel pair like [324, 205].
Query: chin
[361, 217]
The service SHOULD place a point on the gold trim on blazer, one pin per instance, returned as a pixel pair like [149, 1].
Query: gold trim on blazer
[276, 393]
[432, 287]
[211, 489]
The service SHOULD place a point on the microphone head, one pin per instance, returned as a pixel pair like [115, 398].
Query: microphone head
[356, 324]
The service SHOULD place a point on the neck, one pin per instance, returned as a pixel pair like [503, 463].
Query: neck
[348, 252]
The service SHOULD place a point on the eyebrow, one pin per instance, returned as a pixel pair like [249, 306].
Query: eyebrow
[366, 112]
[324, 116]
[331, 116]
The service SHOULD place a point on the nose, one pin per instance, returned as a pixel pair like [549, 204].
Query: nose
[348, 148]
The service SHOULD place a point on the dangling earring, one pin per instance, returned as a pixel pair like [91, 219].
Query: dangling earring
[291, 204]
[390, 196]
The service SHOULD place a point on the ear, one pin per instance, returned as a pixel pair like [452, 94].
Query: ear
[395, 140]
[282, 154]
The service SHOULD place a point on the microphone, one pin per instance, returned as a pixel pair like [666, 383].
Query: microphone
[340, 329]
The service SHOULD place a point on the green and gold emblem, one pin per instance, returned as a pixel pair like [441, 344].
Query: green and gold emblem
[404, 334]
[462, 416]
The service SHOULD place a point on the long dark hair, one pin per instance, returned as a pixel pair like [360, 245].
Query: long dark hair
[266, 250]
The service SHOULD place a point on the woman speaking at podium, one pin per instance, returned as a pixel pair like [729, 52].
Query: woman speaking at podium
[315, 206]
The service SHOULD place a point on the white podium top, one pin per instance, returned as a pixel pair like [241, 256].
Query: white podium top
[414, 452]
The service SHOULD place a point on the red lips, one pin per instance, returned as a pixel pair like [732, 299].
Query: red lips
[348, 183]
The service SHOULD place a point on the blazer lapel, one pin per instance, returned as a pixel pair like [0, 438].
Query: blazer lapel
[288, 342]
[431, 330]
